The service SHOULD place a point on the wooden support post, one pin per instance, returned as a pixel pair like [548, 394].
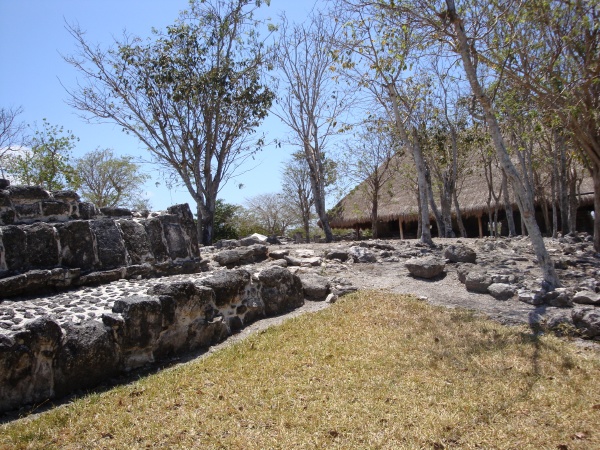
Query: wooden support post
[400, 223]
[480, 226]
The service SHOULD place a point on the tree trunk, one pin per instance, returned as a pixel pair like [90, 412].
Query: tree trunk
[208, 222]
[446, 206]
[563, 192]
[419, 217]
[573, 202]
[527, 207]
[436, 213]
[596, 176]
[316, 180]
[553, 183]
[374, 207]
[306, 229]
[199, 221]
[512, 231]
[423, 190]
[461, 225]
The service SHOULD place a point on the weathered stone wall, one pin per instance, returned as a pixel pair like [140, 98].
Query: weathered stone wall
[47, 359]
[73, 244]
[29, 204]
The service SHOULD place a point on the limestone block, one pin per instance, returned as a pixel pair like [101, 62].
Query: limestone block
[111, 211]
[42, 246]
[88, 354]
[281, 291]
[141, 327]
[26, 360]
[188, 225]
[87, 211]
[136, 242]
[109, 244]
[14, 243]
[228, 285]
[77, 246]
[55, 210]
[157, 242]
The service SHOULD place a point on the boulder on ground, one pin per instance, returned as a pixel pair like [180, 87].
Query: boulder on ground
[426, 267]
[587, 298]
[339, 254]
[463, 270]
[316, 287]
[278, 254]
[254, 239]
[362, 255]
[460, 253]
[478, 281]
[501, 291]
[587, 322]
[227, 244]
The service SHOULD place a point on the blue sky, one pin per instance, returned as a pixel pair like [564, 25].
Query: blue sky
[32, 40]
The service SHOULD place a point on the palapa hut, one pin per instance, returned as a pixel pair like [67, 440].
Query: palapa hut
[398, 210]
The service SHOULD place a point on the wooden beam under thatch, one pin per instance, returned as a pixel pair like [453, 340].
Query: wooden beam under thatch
[399, 200]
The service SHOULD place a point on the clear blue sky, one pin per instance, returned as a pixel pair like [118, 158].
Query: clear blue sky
[32, 40]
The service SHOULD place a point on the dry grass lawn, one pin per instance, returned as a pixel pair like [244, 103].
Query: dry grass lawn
[373, 371]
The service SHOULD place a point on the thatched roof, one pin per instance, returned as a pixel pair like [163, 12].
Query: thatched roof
[399, 199]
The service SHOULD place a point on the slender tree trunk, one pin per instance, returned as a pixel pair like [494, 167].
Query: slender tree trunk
[563, 191]
[316, 172]
[553, 183]
[306, 229]
[461, 225]
[446, 206]
[374, 206]
[199, 221]
[208, 224]
[596, 177]
[527, 207]
[419, 217]
[573, 202]
[436, 213]
[423, 190]
[419, 163]
[512, 231]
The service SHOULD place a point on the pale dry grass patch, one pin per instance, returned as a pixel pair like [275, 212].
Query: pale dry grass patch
[375, 370]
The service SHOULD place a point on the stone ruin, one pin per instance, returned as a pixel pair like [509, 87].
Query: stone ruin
[122, 289]
[53, 244]
[52, 240]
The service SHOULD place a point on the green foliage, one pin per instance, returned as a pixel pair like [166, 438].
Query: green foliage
[225, 221]
[107, 180]
[48, 162]
[193, 94]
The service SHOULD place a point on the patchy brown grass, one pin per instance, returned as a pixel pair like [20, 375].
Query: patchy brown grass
[375, 370]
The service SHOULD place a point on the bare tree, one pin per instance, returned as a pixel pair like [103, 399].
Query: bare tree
[272, 212]
[107, 180]
[446, 27]
[376, 55]
[11, 133]
[193, 95]
[296, 186]
[312, 102]
[371, 162]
